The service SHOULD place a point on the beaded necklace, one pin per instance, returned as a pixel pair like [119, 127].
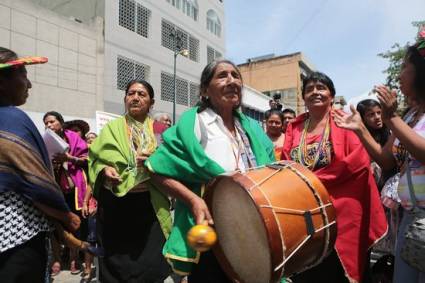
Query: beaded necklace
[303, 156]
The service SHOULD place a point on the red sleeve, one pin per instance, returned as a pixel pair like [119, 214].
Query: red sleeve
[287, 145]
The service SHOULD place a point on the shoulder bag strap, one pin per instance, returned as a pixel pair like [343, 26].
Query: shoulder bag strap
[410, 184]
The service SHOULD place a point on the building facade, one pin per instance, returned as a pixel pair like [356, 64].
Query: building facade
[96, 47]
[280, 75]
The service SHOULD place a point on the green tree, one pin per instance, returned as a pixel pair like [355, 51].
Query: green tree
[395, 58]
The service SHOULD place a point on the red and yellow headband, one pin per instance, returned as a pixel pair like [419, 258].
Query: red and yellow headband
[23, 61]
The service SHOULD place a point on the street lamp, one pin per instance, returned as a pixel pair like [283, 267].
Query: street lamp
[178, 44]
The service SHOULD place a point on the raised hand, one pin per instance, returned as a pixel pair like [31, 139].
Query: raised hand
[388, 100]
[351, 121]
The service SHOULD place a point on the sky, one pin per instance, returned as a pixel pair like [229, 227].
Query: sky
[338, 37]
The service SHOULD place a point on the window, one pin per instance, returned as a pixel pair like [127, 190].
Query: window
[182, 89]
[170, 34]
[167, 89]
[187, 93]
[194, 94]
[254, 114]
[128, 70]
[143, 16]
[213, 23]
[188, 7]
[212, 54]
[134, 17]
[193, 49]
[127, 14]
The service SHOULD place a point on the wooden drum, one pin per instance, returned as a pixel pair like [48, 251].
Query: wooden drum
[271, 222]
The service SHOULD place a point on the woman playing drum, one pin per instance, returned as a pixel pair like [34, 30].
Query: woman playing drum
[337, 157]
[210, 139]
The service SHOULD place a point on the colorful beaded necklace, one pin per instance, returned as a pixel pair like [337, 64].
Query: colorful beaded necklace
[303, 156]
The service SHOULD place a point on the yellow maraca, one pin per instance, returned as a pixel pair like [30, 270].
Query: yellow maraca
[201, 237]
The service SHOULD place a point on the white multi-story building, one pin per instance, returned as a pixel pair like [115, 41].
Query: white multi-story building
[95, 47]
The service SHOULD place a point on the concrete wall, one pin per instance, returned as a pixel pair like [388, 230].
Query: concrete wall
[149, 51]
[72, 81]
[280, 73]
[82, 10]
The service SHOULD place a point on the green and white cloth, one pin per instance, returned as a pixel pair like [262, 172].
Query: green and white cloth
[182, 157]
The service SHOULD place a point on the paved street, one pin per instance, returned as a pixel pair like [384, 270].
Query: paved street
[65, 276]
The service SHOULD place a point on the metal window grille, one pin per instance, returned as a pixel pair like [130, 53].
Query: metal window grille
[186, 7]
[143, 16]
[193, 49]
[218, 55]
[167, 91]
[141, 71]
[166, 39]
[127, 13]
[128, 70]
[182, 87]
[169, 32]
[194, 94]
[212, 54]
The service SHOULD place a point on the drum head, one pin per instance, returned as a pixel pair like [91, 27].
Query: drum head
[242, 236]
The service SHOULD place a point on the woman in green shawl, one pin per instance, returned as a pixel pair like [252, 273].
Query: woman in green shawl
[208, 140]
[133, 220]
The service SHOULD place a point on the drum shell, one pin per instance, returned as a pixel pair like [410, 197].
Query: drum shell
[293, 187]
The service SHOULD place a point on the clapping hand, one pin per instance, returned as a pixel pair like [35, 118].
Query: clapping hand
[388, 100]
[351, 121]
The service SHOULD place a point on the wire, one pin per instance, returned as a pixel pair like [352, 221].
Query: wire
[309, 20]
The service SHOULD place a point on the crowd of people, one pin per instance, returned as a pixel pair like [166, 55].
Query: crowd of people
[112, 195]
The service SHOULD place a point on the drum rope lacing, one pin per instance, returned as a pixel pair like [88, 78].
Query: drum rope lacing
[321, 207]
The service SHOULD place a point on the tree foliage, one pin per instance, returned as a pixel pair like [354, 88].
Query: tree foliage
[395, 58]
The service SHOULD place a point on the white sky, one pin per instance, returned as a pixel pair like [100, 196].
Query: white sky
[339, 37]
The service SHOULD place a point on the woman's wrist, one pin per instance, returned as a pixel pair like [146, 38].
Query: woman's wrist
[360, 130]
[389, 122]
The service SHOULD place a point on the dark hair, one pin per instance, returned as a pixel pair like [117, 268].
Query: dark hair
[319, 77]
[379, 135]
[413, 56]
[289, 110]
[271, 112]
[5, 56]
[55, 114]
[142, 82]
[206, 77]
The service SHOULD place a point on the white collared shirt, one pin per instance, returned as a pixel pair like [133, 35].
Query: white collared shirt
[217, 142]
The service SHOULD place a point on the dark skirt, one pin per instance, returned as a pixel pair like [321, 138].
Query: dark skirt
[81, 232]
[329, 270]
[208, 270]
[132, 239]
[26, 262]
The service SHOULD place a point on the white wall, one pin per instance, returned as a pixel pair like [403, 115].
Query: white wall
[71, 82]
[149, 51]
